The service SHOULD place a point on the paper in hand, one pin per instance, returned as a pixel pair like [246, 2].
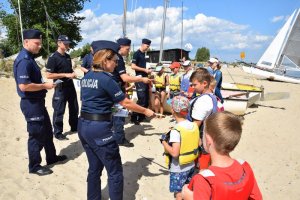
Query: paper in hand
[58, 81]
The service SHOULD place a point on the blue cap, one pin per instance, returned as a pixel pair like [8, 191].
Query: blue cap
[65, 39]
[124, 41]
[146, 41]
[105, 44]
[32, 34]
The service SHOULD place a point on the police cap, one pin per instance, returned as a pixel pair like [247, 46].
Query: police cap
[105, 44]
[124, 41]
[32, 34]
[65, 39]
[146, 41]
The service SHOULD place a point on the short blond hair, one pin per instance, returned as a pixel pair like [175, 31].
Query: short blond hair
[225, 129]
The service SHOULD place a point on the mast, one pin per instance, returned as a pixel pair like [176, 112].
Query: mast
[20, 21]
[124, 18]
[163, 30]
[181, 30]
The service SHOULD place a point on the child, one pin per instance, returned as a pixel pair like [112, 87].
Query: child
[129, 89]
[174, 79]
[202, 106]
[226, 178]
[161, 81]
[182, 147]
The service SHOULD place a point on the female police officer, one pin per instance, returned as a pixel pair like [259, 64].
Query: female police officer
[99, 92]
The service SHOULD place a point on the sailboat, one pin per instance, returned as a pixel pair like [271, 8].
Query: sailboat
[281, 60]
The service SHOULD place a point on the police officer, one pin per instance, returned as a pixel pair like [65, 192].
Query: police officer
[139, 65]
[59, 66]
[99, 92]
[32, 90]
[87, 61]
[120, 76]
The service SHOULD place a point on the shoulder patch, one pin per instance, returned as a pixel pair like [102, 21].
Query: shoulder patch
[206, 173]
[241, 161]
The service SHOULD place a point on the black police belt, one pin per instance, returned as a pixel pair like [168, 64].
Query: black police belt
[95, 117]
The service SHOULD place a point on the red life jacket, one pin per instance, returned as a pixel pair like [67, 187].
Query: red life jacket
[240, 189]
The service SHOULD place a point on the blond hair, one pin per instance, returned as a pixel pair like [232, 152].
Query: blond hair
[225, 129]
[100, 57]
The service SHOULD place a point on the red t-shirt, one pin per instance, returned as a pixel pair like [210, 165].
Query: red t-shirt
[233, 176]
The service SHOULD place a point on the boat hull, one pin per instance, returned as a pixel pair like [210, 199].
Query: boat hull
[237, 102]
[270, 75]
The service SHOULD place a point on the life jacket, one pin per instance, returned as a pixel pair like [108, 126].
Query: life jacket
[189, 143]
[240, 189]
[215, 105]
[174, 82]
[160, 81]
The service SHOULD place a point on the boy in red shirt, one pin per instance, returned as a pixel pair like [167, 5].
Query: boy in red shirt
[226, 178]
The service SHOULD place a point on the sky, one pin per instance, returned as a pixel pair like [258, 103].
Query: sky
[225, 27]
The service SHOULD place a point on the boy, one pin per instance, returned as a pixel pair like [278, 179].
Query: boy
[226, 178]
[181, 146]
[202, 106]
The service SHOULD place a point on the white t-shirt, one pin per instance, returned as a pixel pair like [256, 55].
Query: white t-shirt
[202, 108]
[175, 137]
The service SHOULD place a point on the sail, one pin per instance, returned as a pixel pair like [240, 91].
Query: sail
[292, 47]
[283, 44]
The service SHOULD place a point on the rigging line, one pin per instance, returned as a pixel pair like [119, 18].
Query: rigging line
[17, 20]
[51, 22]
[148, 17]
[134, 21]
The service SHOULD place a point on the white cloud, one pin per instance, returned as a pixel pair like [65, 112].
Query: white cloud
[277, 18]
[218, 35]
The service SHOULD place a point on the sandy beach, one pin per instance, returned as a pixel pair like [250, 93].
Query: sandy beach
[269, 143]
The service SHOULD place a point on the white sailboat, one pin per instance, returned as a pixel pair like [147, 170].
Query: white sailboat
[281, 60]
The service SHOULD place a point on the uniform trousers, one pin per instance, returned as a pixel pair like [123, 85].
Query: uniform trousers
[40, 132]
[142, 91]
[62, 96]
[102, 151]
[119, 133]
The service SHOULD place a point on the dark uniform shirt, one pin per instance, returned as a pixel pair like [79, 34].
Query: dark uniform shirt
[87, 61]
[119, 70]
[26, 71]
[140, 60]
[58, 63]
[99, 92]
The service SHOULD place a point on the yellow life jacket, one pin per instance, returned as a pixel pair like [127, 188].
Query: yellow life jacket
[189, 145]
[174, 82]
[160, 81]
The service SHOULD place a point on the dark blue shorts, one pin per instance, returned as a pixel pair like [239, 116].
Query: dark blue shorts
[179, 179]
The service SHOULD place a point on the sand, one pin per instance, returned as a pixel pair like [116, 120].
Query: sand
[269, 143]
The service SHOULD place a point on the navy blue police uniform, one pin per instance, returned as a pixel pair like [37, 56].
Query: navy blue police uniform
[142, 89]
[99, 92]
[87, 61]
[64, 93]
[32, 104]
[118, 122]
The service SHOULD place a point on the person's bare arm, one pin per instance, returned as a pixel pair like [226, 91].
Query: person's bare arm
[131, 79]
[32, 87]
[50, 75]
[130, 105]
[172, 150]
[84, 69]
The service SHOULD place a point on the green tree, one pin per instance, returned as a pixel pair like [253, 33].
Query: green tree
[52, 17]
[202, 54]
[81, 52]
